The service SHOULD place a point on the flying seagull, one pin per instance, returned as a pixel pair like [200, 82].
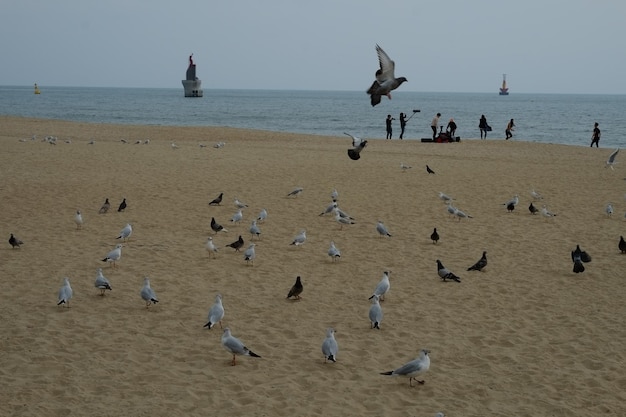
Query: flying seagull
[329, 346]
[413, 369]
[385, 81]
[611, 160]
[445, 274]
[480, 264]
[235, 346]
[296, 289]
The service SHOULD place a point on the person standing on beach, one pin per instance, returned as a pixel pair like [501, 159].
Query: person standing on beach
[595, 136]
[509, 127]
[402, 124]
[482, 125]
[451, 128]
[388, 122]
[434, 124]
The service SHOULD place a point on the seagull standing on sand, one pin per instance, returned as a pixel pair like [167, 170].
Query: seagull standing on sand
[125, 232]
[78, 219]
[329, 346]
[535, 195]
[250, 254]
[461, 214]
[413, 369]
[329, 208]
[147, 293]
[216, 313]
[239, 204]
[15, 242]
[445, 198]
[262, 215]
[375, 313]
[65, 293]
[445, 274]
[341, 219]
[385, 81]
[296, 289]
[210, 247]
[510, 205]
[382, 288]
[235, 346]
[609, 209]
[333, 252]
[237, 217]
[299, 239]
[114, 256]
[254, 230]
[404, 167]
[546, 213]
[101, 282]
[381, 229]
[334, 195]
[480, 264]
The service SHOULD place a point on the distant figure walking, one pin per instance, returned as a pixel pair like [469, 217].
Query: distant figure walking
[483, 126]
[451, 128]
[388, 122]
[595, 136]
[509, 127]
[434, 124]
[402, 124]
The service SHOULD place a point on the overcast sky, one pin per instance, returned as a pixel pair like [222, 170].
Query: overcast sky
[544, 46]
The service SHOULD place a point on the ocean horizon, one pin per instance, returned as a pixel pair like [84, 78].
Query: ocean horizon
[544, 118]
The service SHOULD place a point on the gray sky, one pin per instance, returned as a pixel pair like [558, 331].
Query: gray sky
[544, 46]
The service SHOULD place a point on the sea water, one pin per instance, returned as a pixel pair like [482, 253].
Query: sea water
[545, 118]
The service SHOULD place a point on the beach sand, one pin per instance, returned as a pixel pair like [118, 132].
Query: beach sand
[524, 337]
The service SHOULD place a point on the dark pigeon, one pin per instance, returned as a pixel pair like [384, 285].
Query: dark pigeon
[532, 209]
[622, 244]
[217, 200]
[15, 242]
[584, 256]
[434, 236]
[446, 274]
[105, 207]
[122, 206]
[355, 153]
[478, 266]
[296, 290]
[578, 263]
[237, 244]
[385, 81]
[430, 171]
[215, 226]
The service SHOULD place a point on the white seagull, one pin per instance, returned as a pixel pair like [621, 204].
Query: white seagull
[333, 252]
[329, 346]
[250, 254]
[254, 230]
[210, 247]
[299, 239]
[413, 369]
[356, 141]
[444, 197]
[101, 282]
[147, 293]
[382, 288]
[216, 313]
[65, 293]
[341, 219]
[78, 219]
[240, 204]
[611, 161]
[546, 213]
[375, 313]
[237, 217]
[114, 256]
[381, 229]
[262, 215]
[235, 346]
[536, 195]
[126, 232]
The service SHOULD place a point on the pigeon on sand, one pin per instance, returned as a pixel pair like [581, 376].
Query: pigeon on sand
[235, 346]
[296, 289]
[386, 80]
[532, 209]
[15, 242]
[105, 207]
[65, 293]
[122, 206]
[217, 200]
[480, 264]
[147, 293]
[622, 244]
[434, 236]
[578, 263]
[329, 346]
[429, 170]
[445, 274]
[413, 369]
[237, 244]
[101, 282]
[216, 313]
[216, 227]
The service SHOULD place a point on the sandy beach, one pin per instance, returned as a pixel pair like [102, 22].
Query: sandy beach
[524, 337]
